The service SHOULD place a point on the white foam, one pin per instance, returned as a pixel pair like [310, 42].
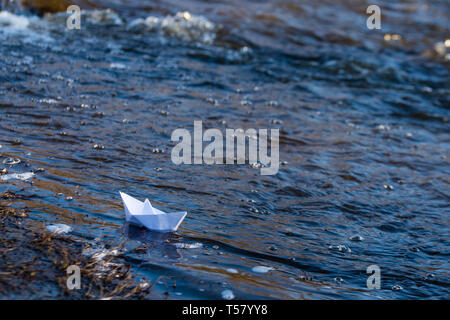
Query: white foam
[26, 29]
[183, 26]
[59, 228]
[262, 269]
[228, 295]
[12, 21]
[102, 17]
[117, 66]
[17, 176]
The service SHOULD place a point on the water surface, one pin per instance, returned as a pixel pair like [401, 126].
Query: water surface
[364, 140]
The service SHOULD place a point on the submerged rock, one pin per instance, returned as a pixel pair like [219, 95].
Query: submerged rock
[47, 6]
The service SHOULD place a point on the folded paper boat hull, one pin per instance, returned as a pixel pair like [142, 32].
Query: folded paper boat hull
[159, 222]
[143, 214]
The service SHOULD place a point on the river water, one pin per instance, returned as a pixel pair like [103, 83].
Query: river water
[364, 140]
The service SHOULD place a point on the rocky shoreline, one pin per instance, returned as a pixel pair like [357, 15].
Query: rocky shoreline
[33, 262]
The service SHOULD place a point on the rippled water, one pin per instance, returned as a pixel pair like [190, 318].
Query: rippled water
[364, 140]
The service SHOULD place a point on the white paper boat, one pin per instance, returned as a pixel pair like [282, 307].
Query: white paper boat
[143, 214]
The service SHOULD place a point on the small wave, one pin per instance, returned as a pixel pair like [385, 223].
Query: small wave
[183, 26]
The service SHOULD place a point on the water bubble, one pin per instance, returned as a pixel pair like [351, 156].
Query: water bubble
[383, 127]
[397, 287]
[388, 187]
[246, 103]
[252, 209]
[338, 280]
[98, 115]
[195, 245]
[212, 101]
[339, 248]
[11, 161]
[144, 285]
[356, 237]
[228, 295]
[119, 66]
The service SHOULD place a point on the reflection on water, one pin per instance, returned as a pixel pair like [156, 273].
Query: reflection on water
[363, 119]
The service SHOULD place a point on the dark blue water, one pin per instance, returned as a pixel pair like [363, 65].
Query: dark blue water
[364, 140]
